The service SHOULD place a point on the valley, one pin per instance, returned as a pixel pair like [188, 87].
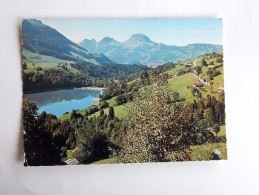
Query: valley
[169, 106]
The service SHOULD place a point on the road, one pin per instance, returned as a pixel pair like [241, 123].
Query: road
[199, 78]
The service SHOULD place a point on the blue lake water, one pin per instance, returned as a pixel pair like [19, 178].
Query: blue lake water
[61, 101]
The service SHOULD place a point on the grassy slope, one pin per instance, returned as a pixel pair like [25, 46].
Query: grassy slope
[69, 154]
[103, 161]
[222, 131]
[106, 161]
[218, 80]
[120, 111]
[45, 62]
[173, 71]
[180, 83]
[198, 153]
[133, 81]
[203, 152]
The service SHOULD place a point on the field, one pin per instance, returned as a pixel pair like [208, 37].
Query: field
[180, 83]
[45, 62]
[173, 71]
[219, 80]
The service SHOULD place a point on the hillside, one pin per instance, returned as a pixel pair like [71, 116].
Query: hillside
[180, 83]
[140, 49]
[44, 40]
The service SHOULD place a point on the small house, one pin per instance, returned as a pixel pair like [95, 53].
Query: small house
[211, 66]
[220, 89]
[198, 85]
[96, 104]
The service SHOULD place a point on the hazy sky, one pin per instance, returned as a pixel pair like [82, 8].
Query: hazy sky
[167, 31]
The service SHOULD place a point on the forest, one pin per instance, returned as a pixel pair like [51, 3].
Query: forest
[90, 75]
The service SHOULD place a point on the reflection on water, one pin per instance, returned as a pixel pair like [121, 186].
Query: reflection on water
[61, 101]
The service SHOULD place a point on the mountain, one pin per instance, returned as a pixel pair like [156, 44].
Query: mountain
[106, 45]
[91, 44]
[138, 40]
[140, 49]
[44, 40]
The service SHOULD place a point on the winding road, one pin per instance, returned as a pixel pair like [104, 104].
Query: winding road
[200, 79]
[195, 75]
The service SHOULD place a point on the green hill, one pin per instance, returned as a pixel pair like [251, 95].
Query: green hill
[44, 40]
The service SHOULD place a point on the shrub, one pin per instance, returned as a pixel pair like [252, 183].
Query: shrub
[91, 146]
[154, 133]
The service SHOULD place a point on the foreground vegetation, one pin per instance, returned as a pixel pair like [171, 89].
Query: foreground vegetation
[148, 116]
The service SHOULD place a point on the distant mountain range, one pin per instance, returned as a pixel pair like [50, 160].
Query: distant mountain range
[44, 40]
[139, 49]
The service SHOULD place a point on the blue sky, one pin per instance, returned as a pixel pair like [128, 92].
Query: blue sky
[168, 31]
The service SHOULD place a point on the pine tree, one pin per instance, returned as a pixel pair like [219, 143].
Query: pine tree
[111, 113]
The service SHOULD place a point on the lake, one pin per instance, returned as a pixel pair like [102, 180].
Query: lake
[61, 101]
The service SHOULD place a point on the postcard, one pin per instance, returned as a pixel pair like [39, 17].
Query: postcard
[107, 91]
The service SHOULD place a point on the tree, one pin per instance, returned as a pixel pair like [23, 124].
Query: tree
[208, 116]
[41, 145]
[92, 145]
[219, 59]
[24, 65]
[144, 75]
[154, 133]
[203, 62]
[176, 97]
[145, 78]
[121, 99]
[198, 70]
[39, 69]
[111, 113]
[216, 128]
[193, 91]
[101, 113]
[105, 104]
[210, 74]
[75, 115]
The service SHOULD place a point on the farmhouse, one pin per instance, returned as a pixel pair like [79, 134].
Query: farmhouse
[220, 89]
[211, 66]
[96, 104]
[198, 85]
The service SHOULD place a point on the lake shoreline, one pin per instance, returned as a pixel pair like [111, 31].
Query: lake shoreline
[67, 88]
[92, 88]
[59, 102]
